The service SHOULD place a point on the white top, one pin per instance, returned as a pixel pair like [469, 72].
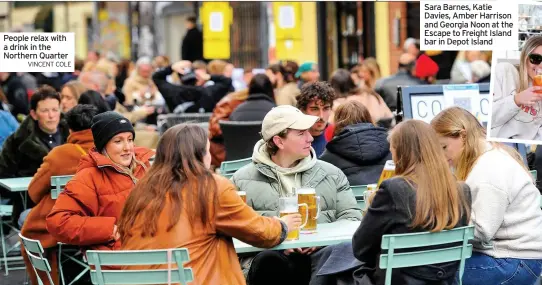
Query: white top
[505, 207]
[509, 120]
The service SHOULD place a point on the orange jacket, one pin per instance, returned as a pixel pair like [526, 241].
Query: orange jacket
[86, 212]
[212, 255]
[62, 160]
[222, 111]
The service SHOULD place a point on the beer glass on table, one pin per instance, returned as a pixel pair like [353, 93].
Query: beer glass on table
[243, 195]
[387, 173]
[368, 196]
[288, 206]
[308, 196]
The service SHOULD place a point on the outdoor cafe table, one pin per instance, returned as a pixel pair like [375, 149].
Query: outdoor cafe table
[327, 234]
[17, 185]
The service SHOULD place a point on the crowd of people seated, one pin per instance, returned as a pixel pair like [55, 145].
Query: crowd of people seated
[99, 125]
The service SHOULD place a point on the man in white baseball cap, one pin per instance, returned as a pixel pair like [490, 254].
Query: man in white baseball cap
[282, 161]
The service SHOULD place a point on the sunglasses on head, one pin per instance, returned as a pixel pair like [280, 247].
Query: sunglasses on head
[535, 58]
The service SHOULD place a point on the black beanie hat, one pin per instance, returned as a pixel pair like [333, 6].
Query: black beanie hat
[107, 125]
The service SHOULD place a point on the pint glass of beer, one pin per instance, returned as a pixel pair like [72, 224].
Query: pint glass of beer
[537, 80]
[243, 195]
[288, 206]
[368, 196]
[372, 187]
[308, 196]
[387, 172]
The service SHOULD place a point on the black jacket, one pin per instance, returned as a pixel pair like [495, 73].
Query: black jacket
[253, 109]
[360, 151]
[202, 97]
[22, 155]
[23, 151]
[387, 86]
[54, 81]
[16, 94]
[391, 212]
[192, 45]
[445, 60]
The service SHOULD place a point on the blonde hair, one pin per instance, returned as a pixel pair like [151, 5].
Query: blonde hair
[106, 67]
[89, 66]
[76, 88]
[371, 65]
[199, 64]
[419, 159]
[456, 122]
[216, 67]
[160, 61]
[531, 44]
[102, 65]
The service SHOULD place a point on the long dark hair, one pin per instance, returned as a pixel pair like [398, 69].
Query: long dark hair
[91, 97]
[260, 84]
[341, 81]
[178, 167]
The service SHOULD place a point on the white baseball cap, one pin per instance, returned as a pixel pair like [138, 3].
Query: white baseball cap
[285, 117]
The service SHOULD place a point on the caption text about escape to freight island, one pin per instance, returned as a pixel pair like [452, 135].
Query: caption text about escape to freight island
[468, 26]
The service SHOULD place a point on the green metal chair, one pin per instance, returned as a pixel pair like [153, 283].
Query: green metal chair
[58, 183]
[358, 191]
[34, 250]
[5, 211]
[228, 168]
[57, 186]
[392, 260]
[176, 256]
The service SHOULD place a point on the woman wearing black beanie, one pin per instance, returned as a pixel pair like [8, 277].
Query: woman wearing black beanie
[86, 212]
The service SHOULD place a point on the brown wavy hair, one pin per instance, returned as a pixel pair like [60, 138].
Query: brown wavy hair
[350, 113]
[440, 200]
[320, 90]
[178, 167]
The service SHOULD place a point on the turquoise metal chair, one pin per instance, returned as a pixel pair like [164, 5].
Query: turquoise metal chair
[5, 211]
[20, 186]
[176, 256]
[57, 185]
[392, 260]
[228, 168]
[70, 254]
[358, 191]
[34, 250]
